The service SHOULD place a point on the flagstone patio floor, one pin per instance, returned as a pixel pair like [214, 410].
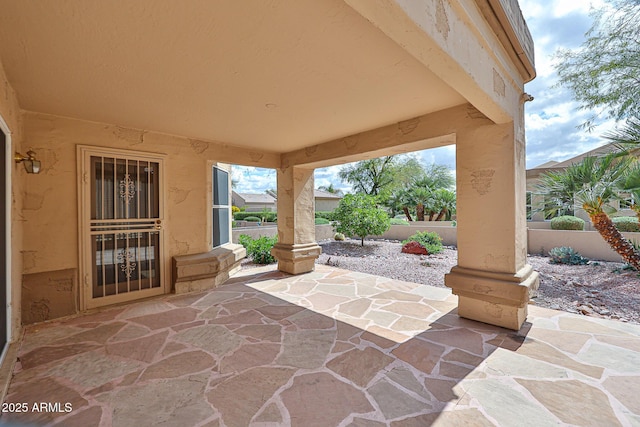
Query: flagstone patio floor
[327, 348]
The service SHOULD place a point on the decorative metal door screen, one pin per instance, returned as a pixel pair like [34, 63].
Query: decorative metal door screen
[125, 228]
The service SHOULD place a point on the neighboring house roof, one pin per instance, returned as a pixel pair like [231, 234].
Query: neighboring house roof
[321, 194]
[256, 198]
[548, 164]
[271, 196]
[552, 165]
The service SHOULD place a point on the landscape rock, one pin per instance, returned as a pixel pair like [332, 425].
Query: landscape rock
[414, 248]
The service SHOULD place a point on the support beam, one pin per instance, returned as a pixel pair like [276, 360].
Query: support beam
[296, 250]
[492, 278]
[432, 31]
[227, 153]
[428, 131]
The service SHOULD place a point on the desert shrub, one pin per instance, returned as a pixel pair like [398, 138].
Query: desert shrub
[567, 222]
[396, 221]
[324, 214]
[259, 250]
[322, 221]
[566, 255]
[235, 209]
[339, 237]
[626, 223]
[431, 241]
[252, 219]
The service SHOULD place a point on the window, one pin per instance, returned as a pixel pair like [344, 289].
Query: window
[627, 201]
[221, 208]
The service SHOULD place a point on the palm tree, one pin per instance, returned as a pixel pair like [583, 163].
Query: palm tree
[628, 140]
[330, 189]
[631, 186]
[422, 197]
[559, 189]
[628, 136]
[592, 184]
[445, 202]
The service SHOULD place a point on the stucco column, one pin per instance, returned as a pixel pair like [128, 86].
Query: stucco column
[296, 250]
[492, 278]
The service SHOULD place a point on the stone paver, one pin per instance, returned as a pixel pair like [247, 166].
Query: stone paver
[326, 348]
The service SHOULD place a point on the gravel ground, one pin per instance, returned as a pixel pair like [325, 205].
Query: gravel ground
[599, 289]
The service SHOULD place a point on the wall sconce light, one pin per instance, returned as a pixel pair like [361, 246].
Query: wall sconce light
[31, 164]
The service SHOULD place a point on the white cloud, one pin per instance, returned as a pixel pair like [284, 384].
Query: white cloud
[552, 120]
[253, 180]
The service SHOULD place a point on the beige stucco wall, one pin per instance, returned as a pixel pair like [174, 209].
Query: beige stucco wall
[327, 204]
[402, 232]
[10, 112]
[323, 232]
[589, 243]
[50, 213]
[540, 241]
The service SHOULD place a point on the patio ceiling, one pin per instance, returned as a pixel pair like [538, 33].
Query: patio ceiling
[276, 76]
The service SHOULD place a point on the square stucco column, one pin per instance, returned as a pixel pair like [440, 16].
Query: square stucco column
[296, 250]
[492, 278]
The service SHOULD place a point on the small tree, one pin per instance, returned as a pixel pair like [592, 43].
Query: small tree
[603, 72]
[359, 215]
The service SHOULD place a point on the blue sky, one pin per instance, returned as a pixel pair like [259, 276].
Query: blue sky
[551, 119]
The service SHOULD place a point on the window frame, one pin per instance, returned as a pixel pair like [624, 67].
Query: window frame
[218, 205]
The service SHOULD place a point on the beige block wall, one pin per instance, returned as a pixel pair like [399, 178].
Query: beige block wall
[589, 243]
[50, 213]
[327, 204]
[10, 112]
[323, 232]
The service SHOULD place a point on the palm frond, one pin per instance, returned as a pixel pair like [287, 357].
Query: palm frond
[628, 136]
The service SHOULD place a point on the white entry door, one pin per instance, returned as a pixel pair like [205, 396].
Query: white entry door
[121, 227]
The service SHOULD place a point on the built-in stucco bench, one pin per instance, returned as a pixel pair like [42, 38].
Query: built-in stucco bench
[198, 272]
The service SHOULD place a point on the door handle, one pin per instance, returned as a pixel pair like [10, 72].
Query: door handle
[158, 225]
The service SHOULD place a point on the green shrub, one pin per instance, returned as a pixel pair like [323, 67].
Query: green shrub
[324, 214]
[252, 219]
[626, 223]
[429, 239]
[396, 221]
[566, 255]
[359, 215]
[245, 240]
[268, 216]
[339, 237]
[259, 250]
[322, 221]
[240, 216]
[567, 222]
